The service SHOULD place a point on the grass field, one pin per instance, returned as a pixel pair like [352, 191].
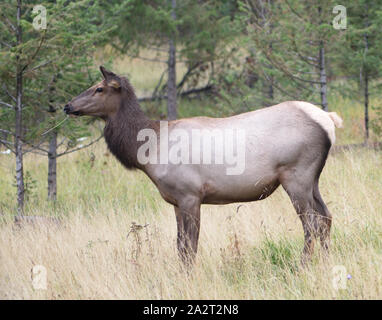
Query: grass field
[247, 251]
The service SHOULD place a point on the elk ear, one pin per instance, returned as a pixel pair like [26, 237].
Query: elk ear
[114, 83]
[106, 73]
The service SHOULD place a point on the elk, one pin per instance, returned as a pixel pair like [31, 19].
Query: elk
[285, 144]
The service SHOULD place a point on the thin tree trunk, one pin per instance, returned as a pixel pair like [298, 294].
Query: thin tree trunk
[366, 107]
[171, 81]
[270, 89]
[52, 152]
[18, 120]
[323, 80]
[366, 80]
[265, 16]
[52, 167]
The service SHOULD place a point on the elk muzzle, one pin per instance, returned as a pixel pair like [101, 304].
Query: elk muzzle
[68, 109]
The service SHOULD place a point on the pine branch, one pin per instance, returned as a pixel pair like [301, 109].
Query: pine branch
[187, 74]
[8, 93]
[41, 65]
[146, 59]
[304, 58]
[61, 143]
[35, 53]
[8, 145]
[10, 24]
[295, 12]
[34, 147]
[80, 148]
[6, 44]
[278, 65]
[6, 104]
[6, 131]
[159, 83]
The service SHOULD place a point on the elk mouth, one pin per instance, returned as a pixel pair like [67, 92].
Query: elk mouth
[68, 109]
[73, 113]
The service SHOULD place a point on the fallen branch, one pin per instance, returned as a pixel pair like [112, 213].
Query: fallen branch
[347, 147]
[182, 94]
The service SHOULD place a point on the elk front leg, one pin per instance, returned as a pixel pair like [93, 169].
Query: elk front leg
[188, 223]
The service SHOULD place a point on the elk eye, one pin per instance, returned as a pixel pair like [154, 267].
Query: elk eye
[99, 89]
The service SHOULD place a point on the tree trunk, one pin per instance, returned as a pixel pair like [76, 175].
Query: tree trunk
[270, 89]
[52, 166]
[18, 119]
[321, 62]
[171, 81]
[323, 83]
[52, 152]
[366, 107]
[366, 80]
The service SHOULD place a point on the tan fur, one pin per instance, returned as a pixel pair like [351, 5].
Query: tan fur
[338, 122]
[114, 84]
[327, 120]
[284, 144]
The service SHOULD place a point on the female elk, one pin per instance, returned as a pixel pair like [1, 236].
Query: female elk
[285, 144]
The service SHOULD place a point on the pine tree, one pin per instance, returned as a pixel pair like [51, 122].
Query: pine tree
[41, 67]
[293, 40]
[191, 32]
[362, 54]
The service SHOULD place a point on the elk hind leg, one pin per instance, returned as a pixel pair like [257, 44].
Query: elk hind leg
[301, 194]
[324, 219]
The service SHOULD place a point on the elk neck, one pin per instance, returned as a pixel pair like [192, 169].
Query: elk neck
[122, 128]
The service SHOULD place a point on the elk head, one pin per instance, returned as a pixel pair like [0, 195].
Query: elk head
[101, 100]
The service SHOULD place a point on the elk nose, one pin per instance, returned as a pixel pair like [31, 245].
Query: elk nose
[67, 108]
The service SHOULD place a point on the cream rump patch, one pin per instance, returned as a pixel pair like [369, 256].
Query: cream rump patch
[328, 121]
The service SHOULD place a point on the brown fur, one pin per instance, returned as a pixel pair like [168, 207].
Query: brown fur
[122, 129]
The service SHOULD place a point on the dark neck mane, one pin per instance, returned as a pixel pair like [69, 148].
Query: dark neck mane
[122, 129]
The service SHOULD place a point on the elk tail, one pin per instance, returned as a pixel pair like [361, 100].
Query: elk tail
[337, 120]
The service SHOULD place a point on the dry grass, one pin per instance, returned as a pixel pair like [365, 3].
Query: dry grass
[246, 252]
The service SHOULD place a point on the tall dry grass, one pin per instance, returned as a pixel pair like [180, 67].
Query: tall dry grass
[247, 251]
